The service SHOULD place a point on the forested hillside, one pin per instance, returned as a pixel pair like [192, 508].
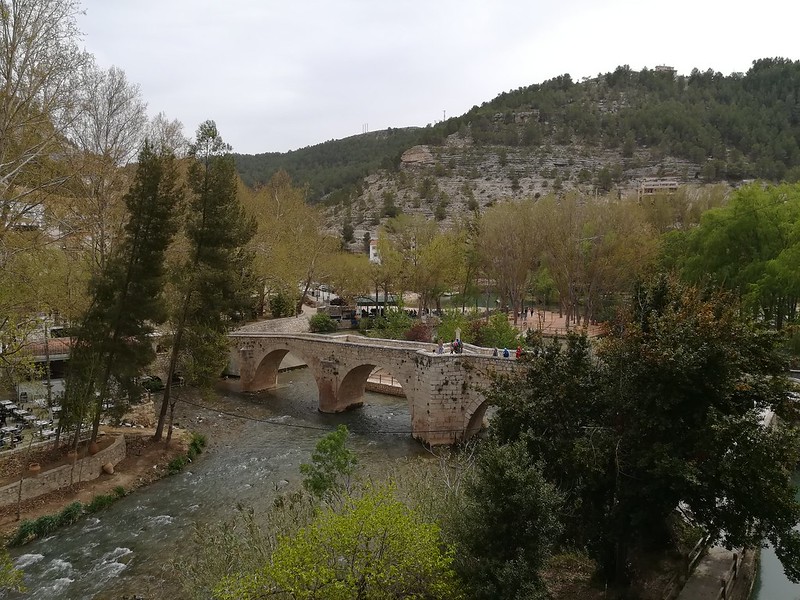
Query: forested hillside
[742, 125]
[332, 165]
[718, 127]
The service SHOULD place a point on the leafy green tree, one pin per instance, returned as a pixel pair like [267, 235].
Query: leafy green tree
[509, 243]
[374, 548]
[450, 321]
[290, 244]
[332, 465]
[348, 274]
[114, 342]
[280, 306]
[10, 577]
[751, 247]
[666, 411]
[498, 333]
[508, 523]
[40, 64]
[213, 280]
[322, 323]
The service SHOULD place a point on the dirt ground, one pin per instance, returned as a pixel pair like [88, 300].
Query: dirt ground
[145, 462]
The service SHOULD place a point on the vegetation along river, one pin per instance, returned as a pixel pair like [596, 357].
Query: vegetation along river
[124, 549]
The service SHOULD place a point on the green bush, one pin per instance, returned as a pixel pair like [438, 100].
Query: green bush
[45, 525]
[452, 320]
[498, 333]
[393, 325]
[196, 445]
[70, 514]
[119, 491]
[365, 324]
[322, 323]
[24, 534]
[177, 464]
[100, 502]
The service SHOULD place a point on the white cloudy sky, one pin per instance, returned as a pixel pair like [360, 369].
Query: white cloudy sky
[276, 76]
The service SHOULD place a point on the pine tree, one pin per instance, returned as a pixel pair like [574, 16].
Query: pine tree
[214, 280]
[114, 342]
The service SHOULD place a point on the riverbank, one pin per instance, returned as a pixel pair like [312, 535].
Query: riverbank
[145, 462]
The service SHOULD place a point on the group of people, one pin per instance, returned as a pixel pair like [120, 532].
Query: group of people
[456, 347]
[507, 354]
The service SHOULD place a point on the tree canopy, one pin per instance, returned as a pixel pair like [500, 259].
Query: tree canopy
[668, 410]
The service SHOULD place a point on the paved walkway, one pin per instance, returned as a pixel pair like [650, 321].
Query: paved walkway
[550, 323]
[715, 566]
[298, 324]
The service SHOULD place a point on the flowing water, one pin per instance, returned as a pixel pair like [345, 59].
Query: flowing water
[121, 551]
[772, 583]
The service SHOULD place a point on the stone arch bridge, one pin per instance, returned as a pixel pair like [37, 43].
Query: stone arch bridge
[444, 391]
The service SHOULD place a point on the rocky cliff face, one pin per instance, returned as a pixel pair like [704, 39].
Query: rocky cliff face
[449, 181]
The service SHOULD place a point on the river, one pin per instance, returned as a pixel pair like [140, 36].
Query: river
[121, 551]
[772, 583]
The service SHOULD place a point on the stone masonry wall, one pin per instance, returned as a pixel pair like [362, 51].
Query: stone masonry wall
[85, 469]
[444, 391]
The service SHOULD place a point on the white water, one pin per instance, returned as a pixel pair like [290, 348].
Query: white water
[124, 550]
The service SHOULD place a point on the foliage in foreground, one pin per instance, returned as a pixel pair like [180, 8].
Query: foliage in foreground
[666, 411]
[10, 576]
[508, 522]
[332, 465]
[374, 548]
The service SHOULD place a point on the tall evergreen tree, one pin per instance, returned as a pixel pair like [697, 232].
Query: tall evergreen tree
[114, 342]
[213, 282]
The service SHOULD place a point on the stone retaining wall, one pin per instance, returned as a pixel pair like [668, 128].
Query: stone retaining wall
[85, 469]
[384, 388]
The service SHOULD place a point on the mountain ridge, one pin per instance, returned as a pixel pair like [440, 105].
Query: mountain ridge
[596, 136]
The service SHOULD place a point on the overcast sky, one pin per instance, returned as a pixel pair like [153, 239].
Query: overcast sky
[277, 76]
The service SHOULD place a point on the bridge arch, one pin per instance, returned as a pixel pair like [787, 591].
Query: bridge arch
[353, 384]
[265, 374]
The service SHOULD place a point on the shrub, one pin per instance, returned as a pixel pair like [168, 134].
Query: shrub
[24, 534]
[499, 333]
[452, 320]
[198, 442]
[45, 525]
[393, 325]
[119, 491]
[70, 514]
[100, 502]
[177, 464]
[419, 332]
[365, 324]
[196, 445]
[322, 323]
